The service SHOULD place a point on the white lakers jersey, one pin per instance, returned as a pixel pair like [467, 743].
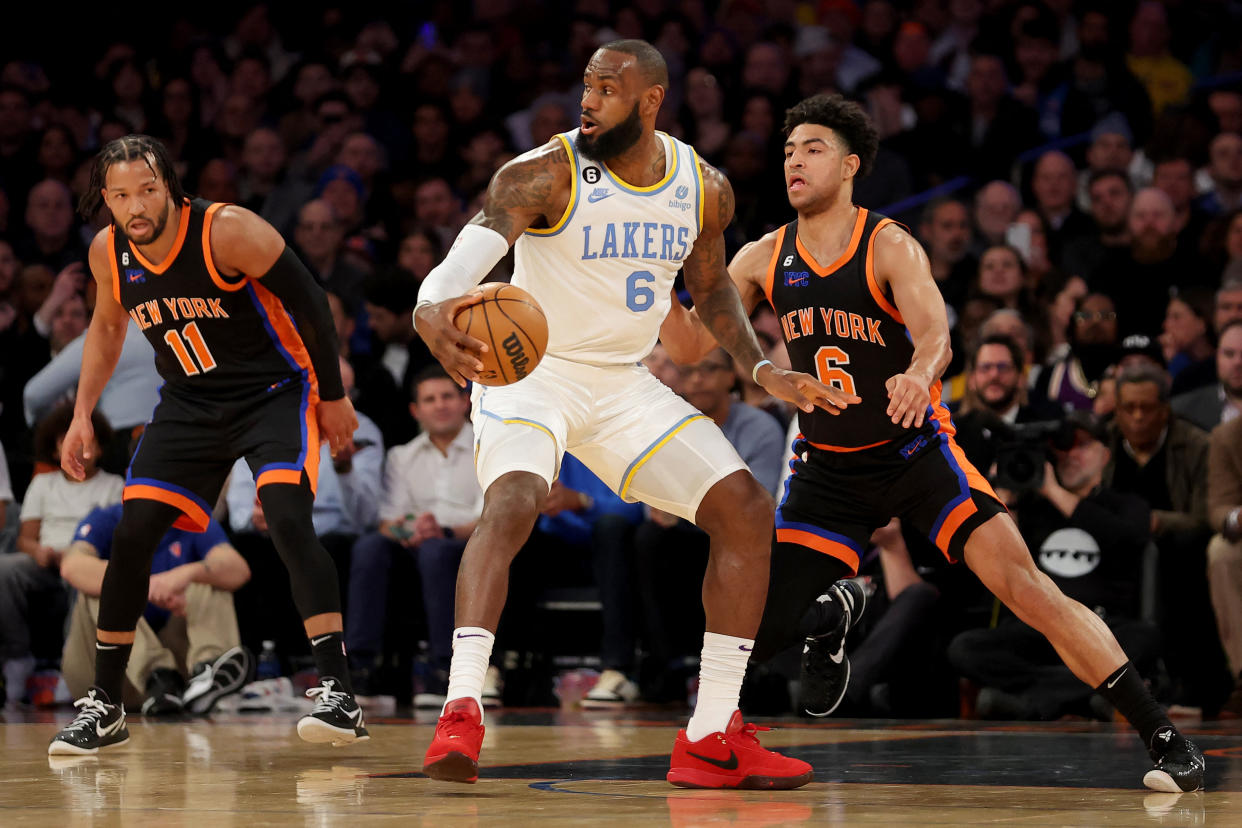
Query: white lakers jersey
[604, 271]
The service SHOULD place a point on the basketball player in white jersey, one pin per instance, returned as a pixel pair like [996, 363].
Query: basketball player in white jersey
[603, 218]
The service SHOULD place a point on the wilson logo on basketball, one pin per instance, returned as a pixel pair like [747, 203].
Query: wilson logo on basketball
[517, 355]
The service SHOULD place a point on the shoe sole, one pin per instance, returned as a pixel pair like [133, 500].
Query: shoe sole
[705, 779]
[429, 701]
[1159, 780]
[59, 748]
[203, 704]
[453, 767]
[321, 733]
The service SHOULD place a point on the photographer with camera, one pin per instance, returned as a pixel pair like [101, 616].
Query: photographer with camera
[1089, 540]
[995, 399]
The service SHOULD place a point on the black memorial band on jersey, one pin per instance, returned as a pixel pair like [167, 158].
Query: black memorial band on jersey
[856, 470]
[238, 378]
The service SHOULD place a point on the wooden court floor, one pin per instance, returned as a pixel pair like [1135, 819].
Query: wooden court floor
[564, 768]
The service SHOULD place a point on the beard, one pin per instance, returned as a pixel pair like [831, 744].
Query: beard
[609, 143]
[1001, 404]
[157, 226]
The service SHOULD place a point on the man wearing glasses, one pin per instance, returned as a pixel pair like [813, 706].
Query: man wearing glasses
[1074, 380]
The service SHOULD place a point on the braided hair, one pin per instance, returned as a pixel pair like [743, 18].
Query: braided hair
[129, 148]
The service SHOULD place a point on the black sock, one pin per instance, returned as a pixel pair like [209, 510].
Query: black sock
[110, 661]
[1127, 692]
[329, 652]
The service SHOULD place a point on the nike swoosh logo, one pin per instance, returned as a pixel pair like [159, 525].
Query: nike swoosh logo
[315, 642]
[356, 715]
[745, 649]
[471, 635]
[594, 197]
[1110, 684]
[110, 729]
[723, 764]
[99, 646]
[838, 656]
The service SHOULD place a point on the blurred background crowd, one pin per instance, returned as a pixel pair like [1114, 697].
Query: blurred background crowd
[1073, 169]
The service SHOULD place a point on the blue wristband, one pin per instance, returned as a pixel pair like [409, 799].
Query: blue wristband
[754, 372]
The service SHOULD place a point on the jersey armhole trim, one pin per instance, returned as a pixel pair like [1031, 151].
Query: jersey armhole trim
[116, 272]
[776, 253]
[874, 286]
[220, 281]
[698, 183]
[572, 206]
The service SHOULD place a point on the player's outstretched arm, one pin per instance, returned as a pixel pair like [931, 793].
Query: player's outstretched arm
[683, 334]
[532, 186]
[102, 348]
[719, 307]
[901, 266]
[243, 243]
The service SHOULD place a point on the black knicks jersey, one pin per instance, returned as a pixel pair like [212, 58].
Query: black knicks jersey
[215, 336]
[840, 327]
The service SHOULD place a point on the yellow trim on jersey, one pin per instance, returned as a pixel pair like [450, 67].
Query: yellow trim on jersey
[573, 194]
[698, 175]
[659, 444]
[672, 148]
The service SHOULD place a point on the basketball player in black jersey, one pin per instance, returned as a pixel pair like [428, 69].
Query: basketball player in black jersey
[859, 308]
[247, 350]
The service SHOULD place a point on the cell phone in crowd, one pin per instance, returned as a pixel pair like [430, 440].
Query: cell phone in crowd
[1018, 236]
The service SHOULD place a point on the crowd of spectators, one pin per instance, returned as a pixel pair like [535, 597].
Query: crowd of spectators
[1073, 169]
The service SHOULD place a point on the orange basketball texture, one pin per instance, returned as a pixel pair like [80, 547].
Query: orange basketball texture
[512, 325]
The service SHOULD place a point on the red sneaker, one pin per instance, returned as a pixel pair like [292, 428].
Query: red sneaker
[734, 759]
[454, 752]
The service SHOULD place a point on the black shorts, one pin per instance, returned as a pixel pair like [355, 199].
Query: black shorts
[835, 500]
[189, 447]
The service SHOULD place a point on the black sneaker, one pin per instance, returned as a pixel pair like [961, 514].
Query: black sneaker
[336, 717]
[1179, 763]
[212, 680]
[825, 667]
[99, 724]
[164, 689]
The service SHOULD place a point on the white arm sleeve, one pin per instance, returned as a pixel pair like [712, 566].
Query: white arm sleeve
[472, 256]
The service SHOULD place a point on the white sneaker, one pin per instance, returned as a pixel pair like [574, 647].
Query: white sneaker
[612, 690]
[493, 688]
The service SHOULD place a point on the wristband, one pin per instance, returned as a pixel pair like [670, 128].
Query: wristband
[754, 372]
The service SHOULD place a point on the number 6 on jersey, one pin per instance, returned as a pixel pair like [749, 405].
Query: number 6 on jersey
[194, 336]
[827, 362]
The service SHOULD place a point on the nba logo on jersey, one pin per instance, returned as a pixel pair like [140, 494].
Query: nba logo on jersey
[797, 278]
[135, 275]
[174, 549]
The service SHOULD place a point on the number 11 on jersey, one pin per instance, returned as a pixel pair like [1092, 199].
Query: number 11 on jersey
[191, 334]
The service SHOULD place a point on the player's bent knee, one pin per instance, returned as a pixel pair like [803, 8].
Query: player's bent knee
[737, 504]
[513, 500]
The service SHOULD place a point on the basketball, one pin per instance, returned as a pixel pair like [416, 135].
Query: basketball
[512, 325]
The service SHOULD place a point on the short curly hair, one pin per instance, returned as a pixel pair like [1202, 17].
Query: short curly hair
[844, 117]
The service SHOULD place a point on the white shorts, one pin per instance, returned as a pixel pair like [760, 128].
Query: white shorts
[645, 442]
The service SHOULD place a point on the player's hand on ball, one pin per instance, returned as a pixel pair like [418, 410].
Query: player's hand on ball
[908, 399]
[337, 422]
[457, 352]
[804, 391]
[76, 446]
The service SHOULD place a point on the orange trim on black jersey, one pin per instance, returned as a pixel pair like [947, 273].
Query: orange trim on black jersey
[874, 286]
[845, 257]
[182, 229]
[776, 254]
[846, 449]
[116, 271]
[827, 546]
[220, 281]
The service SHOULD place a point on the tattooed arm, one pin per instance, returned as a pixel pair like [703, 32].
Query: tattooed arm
[532, 189]
[719, 306]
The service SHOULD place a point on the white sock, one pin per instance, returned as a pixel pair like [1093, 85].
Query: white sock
[721, 670]
[472, 647]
